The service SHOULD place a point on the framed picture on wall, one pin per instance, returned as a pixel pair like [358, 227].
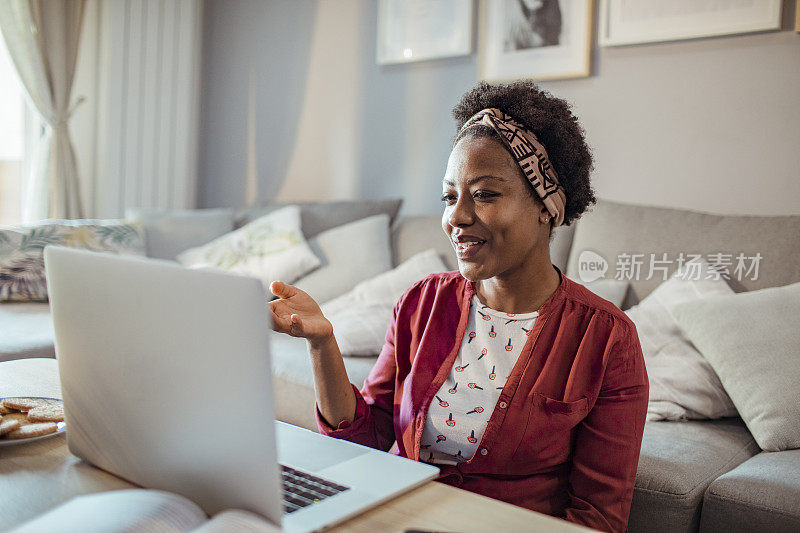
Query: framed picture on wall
[645, 21]
[535, 39]
[797, 17]
[416, 30]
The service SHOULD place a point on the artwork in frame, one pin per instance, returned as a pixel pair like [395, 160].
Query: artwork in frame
[625, 22]
[417, 30]
[797, 18]
[535, 39]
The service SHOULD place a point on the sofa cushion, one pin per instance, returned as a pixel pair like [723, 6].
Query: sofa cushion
[682, 383]
[612, 290]
[270, 248]
[361, 317]
[316, 217]
[22, 272]
[416, 234]
[761, 494]
[169, 232]
[611, 228]
[751, 341]
[678, 461]
[293, 380]
[349, 253]
[27, 331]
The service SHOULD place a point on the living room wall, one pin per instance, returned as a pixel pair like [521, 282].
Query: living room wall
[294, 107]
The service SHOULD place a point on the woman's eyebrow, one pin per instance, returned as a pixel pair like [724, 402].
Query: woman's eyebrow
[476, 179]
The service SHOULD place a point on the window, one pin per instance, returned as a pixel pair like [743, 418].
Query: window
[12, 140]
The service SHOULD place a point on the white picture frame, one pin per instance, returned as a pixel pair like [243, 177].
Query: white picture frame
[528, 39]
[647, 21]
[420, 30]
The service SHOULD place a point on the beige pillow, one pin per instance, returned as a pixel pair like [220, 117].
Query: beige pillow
[752, 341]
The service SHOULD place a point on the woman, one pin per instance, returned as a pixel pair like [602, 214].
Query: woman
[517, 382]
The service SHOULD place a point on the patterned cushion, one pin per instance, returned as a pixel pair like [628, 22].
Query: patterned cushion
[270, 248]
[22, 277]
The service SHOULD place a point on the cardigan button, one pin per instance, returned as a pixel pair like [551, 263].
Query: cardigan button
[484, 451]
[502, 405]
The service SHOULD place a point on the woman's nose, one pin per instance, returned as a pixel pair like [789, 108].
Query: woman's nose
[461, 213]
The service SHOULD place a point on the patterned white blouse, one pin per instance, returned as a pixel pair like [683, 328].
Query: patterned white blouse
[460, 411]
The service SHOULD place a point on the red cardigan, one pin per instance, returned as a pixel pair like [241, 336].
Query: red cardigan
[565, 434]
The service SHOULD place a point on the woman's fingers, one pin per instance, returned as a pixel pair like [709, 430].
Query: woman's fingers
[285, 321]
[297, 324]
[280, 307]
[282, 290]
[280, 324]
[296, 313]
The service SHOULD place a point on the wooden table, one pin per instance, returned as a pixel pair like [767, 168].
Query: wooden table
[38, 476]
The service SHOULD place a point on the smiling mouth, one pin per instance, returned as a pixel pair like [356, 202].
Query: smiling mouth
[467, 245]
[468, 248]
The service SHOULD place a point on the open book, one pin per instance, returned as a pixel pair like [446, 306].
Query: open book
[142, 511]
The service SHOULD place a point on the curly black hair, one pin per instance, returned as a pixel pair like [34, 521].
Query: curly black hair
[553, 123]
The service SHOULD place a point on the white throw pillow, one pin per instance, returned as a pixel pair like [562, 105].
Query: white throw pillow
[752, 342]
[269, 248]
[361, 317]
[350, 253]
[682, 383]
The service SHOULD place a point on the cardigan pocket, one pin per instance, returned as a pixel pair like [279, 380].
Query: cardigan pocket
[547, 438]
[553, 406]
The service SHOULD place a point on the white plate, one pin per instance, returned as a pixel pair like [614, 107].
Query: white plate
[61, 427]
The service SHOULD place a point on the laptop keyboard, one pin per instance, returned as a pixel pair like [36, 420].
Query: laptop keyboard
[301, 489]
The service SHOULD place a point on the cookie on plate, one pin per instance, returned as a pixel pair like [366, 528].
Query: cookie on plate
[26, 404]
[8, 425]
[22, 418]
[47, 413]
[33, 430]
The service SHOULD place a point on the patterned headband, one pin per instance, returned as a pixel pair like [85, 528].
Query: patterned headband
[529, 154]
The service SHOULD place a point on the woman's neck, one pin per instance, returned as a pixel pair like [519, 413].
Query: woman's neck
[523, 291]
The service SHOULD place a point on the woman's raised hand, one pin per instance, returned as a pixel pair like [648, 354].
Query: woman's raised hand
[297, 314]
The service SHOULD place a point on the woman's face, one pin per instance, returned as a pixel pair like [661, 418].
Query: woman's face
[489, 214]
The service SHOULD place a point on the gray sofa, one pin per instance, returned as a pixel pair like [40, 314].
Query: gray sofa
[692, 476]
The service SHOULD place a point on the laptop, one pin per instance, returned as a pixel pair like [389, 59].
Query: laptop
[166, 379]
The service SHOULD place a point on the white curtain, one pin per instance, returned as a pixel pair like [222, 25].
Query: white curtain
[42, 39]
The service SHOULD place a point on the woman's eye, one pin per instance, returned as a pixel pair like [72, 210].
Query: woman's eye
[448, 198]
[485, 195]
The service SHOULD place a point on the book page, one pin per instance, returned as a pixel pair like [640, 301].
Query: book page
[239, 521]
[135, 510]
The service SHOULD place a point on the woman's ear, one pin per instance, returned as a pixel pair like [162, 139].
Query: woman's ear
[544, 215]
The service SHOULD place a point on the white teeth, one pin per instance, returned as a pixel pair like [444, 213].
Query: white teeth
[465, 244]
